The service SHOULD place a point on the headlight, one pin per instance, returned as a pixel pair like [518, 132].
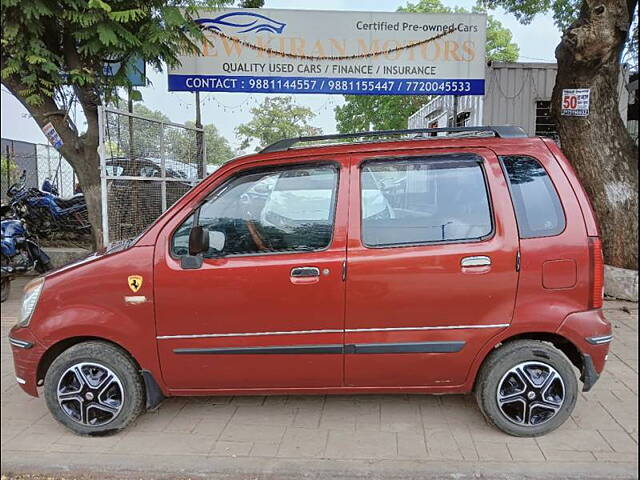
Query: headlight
[30, 300]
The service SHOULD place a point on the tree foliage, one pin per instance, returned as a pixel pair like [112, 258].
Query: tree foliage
[218, 149]
[53, 55]
[388, 112]
[51, 44]
[276, 118]
[564, 12]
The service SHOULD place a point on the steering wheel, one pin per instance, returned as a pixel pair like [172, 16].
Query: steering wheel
[255, 235]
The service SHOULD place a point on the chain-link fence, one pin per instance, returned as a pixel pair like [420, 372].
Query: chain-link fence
[146, 165]
[40, 163]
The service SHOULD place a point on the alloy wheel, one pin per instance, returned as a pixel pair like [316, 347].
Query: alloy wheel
[90, 394]
[531, 393]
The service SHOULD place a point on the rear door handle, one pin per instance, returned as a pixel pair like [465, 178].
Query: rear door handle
[479, 261]
[305, 272]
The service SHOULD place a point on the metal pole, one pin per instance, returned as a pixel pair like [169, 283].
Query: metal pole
[8, 160]
[48, 161]
[163, 171]
[103, 177]
[455, 110]
[199, 139]
[130, 110]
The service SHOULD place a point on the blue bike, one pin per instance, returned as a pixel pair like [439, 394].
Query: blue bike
[45, 213]
[20, 251]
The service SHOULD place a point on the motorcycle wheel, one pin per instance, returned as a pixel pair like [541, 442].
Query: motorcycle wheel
[43, 267]
[5, 283]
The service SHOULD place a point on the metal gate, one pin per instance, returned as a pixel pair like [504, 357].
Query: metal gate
[145, 166]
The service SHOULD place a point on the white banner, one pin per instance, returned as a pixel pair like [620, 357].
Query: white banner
[312, 51]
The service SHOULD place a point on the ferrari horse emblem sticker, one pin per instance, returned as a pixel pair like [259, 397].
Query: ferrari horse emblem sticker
[135, 282]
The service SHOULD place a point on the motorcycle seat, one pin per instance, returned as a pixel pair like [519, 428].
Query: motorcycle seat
[68, 202]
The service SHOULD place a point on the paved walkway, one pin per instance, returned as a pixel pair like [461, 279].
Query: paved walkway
[382, 436]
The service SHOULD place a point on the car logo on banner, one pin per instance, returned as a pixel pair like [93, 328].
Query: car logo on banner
[242, 22]
[135, 282]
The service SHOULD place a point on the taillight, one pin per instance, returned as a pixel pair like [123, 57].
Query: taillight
[597, 272]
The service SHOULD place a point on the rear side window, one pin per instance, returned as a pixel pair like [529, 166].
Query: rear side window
[424, 200]
[538, 208]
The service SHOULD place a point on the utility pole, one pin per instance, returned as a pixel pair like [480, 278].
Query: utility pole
[199, 140]
[130, 110]
[455, 110]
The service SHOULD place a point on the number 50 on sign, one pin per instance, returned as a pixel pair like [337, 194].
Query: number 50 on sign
[575, 102]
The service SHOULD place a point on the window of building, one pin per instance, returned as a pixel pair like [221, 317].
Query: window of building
[270, 210]
[423, 200]
[538, 208]
[545, 126]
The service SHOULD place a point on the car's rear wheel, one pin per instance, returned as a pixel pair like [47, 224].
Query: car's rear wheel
[526, 388]
[94, 388]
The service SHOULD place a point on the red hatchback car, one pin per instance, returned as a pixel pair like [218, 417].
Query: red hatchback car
[426, 264]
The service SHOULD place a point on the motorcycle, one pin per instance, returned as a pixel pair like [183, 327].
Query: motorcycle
[45, 213]
[20, 253]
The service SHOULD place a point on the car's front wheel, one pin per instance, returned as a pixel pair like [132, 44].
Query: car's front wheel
[526, 388]
[94, 388]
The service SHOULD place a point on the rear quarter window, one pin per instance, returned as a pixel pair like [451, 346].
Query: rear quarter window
[538, 209]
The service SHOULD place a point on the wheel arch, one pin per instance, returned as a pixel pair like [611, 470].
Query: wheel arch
[59, 347]
[566, 346]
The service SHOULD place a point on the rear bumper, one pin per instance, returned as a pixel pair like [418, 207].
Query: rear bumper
[27, 353]
[591, 332]
[589, 376]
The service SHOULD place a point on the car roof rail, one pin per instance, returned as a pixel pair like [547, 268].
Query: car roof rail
[500, 131]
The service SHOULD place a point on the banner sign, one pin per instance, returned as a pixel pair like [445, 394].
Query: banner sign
[52, 135]
[311, 51]
[575, 102]
[135, 70]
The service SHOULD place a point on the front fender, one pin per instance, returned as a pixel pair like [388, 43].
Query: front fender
[90, 299]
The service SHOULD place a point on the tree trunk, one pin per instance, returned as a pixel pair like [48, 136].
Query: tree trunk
[81, 151]
[87, 167]
[599, 146]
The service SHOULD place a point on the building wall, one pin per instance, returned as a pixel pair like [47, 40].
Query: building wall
[512, 90]
[511, 93]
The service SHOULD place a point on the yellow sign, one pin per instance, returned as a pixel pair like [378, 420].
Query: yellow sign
[135, 282]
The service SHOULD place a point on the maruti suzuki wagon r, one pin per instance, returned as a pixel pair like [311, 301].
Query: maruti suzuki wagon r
[424, 264]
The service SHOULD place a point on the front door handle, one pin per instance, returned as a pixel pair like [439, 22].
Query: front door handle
[479, 261]
[299, 272]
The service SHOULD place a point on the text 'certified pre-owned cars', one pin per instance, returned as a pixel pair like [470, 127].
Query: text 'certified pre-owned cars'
[424, 264]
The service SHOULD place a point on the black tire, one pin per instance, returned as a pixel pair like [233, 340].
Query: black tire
[537, 357]
[43, 267]
[5, 286]
[111, 359]
[5, 282]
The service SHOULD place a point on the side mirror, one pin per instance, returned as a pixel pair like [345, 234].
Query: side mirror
[217, 240]
[198, 240]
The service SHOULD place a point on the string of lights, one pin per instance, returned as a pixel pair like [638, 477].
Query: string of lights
[271, 51]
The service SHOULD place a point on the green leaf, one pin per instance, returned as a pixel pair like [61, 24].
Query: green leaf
[99, 4]
[107, 35]
[35, 59]
[172, 16]
[124, 16]
[136, 95]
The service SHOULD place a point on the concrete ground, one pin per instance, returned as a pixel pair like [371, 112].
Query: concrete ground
[282, 437]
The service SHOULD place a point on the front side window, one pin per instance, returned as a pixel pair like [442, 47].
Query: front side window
[538, 208]
[286, 209]
[424, 200]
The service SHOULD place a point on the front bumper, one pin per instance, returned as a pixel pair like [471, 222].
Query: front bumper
[27, 353]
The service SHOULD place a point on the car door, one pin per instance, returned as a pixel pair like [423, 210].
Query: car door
[267, 311]
[431, 265]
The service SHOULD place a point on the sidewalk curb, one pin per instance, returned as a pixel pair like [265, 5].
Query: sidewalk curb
[217, 468]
